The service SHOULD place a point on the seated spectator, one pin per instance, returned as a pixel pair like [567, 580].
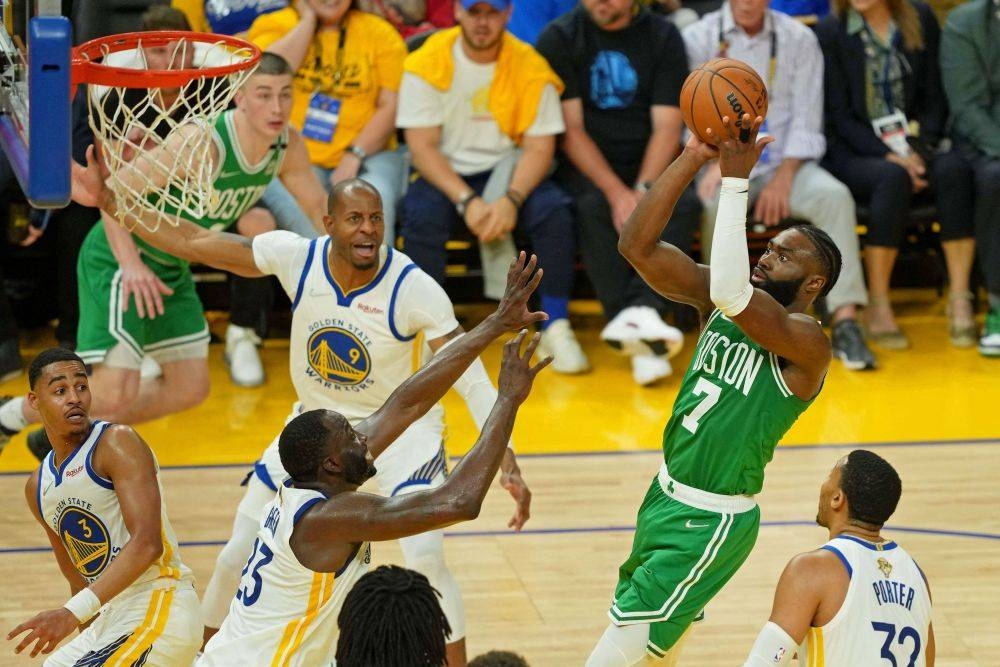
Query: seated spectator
[480, 110]
[970, 68]
[788, 181]
[498, 659]
[623, 71]
[392, 618]
[412, 17]
[881, 75]
[348, 65]
[226, 17]
[529, 18]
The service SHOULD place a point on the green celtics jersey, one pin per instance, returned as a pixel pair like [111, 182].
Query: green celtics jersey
[237, 185]
[732, 409]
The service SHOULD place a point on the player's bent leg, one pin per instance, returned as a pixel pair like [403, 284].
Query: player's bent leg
[229, 565]
[620, 646]
[184, 385]
[115, 384]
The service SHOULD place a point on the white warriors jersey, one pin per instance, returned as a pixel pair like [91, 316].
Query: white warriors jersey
[82, 508]
[284, 613]
[885, 616]
[350, 349]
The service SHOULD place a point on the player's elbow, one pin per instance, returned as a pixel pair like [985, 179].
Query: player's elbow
[148, 546]
[467, 507]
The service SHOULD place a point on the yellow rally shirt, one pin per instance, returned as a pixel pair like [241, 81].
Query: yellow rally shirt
[372, 59]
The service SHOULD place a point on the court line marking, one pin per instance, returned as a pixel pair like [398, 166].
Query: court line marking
[586, 530]
[971, 442]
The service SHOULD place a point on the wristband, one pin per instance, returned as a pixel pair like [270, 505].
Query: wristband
[84, 605]
[515, 197]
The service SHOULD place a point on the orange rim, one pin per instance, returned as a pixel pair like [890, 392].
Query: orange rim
[86, 70]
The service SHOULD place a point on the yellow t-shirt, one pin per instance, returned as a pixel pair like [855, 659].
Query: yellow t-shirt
[372, 59]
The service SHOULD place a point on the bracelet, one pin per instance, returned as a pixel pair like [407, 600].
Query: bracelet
[643, 187]
[84, 605]
[515, 197]
[358, 152]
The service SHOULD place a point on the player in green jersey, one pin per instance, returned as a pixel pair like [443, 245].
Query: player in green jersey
[759, 363]
[252, 144]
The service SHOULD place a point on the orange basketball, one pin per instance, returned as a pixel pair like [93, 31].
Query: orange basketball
[721, 87]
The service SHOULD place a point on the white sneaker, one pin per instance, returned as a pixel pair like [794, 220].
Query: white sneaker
[648, 368]
[150, 368]
[641, 330]
[245, 368]
[559, 341]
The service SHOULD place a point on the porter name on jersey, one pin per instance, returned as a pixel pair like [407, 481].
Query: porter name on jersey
[893, 592]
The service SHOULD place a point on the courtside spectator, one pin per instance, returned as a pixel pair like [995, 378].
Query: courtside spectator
[348, 65]
[226, 17]
[412, 17]
[882, 74]
[787, 180]
[480, 109]
[970, 68]
[623, 69]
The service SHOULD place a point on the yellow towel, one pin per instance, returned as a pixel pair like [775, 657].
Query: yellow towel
[521, 75]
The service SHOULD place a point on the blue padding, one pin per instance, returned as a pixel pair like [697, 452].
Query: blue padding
[49, 125]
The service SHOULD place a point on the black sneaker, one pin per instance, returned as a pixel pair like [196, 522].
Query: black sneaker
[10, 360]
[38, 444]
[850, 347]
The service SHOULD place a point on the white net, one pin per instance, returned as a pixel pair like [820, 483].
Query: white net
[156, 142]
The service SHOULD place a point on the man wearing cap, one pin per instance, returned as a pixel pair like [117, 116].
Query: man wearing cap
[480, 110]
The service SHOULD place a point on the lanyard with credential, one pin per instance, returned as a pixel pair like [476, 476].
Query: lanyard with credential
[869, 40]
[772, 63]
[338, 58]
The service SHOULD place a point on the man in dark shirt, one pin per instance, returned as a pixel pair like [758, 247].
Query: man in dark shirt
[623, 69]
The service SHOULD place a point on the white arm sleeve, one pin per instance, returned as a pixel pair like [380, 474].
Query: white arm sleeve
[773, 648]
[730, 286]
[476, 389]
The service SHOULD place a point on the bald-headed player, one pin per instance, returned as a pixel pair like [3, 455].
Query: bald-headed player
[759, 363]
[361, 311]
[314, 536]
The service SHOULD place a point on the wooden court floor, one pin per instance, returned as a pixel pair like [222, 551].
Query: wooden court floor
[588, 449]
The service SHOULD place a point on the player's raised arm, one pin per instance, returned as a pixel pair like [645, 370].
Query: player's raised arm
[665, 267]
[299, 178]
[795, 272]
[223, 250]
[424, 388]
[361, 517]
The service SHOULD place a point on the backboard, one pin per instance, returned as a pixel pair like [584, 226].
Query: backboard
[35, 104]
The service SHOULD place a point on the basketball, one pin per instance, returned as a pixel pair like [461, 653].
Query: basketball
[718, 88]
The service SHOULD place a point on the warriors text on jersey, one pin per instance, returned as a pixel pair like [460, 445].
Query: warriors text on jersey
[237, 185]
[335, 333]
[284, 613]
[732, 409]
[885, 616]
[82, 509]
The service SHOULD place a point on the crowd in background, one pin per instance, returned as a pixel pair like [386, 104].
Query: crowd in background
[548, 120]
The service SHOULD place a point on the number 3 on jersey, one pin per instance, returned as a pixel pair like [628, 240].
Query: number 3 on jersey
[244, 594]
[711, 393]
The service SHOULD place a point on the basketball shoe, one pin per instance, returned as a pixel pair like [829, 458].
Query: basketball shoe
[639, 330]
[559, 342]
[245, 367]
[989, 344]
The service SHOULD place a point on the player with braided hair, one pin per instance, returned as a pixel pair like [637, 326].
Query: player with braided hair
[392, 618]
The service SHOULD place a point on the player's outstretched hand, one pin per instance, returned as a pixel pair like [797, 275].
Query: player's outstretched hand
[740, 149]
[516, 371]
[47, 629]
[511, 479]
[701, 151]
[88, 182]
[522, 280]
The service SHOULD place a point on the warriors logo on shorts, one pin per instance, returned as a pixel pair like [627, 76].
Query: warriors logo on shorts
[337, 355]
[86, 540]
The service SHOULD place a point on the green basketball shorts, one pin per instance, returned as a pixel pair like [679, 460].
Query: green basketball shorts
[180, 333]
[682, 555]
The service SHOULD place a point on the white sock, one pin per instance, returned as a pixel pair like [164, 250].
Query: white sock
[12, 415]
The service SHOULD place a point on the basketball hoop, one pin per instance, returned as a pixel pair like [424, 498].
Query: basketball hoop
[143, 87]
